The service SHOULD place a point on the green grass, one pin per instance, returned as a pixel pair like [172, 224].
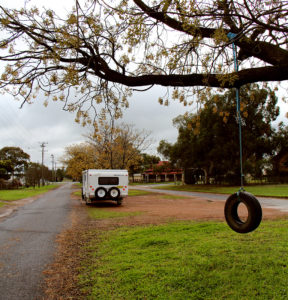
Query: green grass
[132, 192]
[191, 260]
[12, 195]
[78, 193]
[2, 204]
[280, 190]
[100, 213]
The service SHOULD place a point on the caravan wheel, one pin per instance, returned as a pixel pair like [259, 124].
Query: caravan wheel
[114, 193]
[100, 193]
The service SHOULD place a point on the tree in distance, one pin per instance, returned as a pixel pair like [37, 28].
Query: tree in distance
[14, 160]
[148, 161]
[34, 172]
[6, 168]
[107, 147]
[208, 140]
[106, 50]
[77, 158]
[60, 174]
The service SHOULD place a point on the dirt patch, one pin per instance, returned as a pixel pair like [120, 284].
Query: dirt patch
[163, 208]
[62, 275]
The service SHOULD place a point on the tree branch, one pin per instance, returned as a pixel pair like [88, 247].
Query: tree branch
[213, 80]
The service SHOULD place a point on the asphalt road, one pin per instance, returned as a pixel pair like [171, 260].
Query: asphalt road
[277, 203]
[27, 243]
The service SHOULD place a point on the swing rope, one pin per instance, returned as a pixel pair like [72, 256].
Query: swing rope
[232, 36]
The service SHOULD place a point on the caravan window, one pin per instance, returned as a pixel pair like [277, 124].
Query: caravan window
[108, 180]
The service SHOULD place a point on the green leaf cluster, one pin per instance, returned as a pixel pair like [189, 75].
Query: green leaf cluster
[12, 160]
[209, 139]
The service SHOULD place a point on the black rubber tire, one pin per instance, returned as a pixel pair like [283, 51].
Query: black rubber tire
[100, 193]
[254, 212]
[114, 193]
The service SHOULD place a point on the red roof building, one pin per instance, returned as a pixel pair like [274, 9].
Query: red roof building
[161, 172]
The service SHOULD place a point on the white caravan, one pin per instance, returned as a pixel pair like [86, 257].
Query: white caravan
[104, 185]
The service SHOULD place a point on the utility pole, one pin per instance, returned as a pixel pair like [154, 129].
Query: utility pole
[43, 145]
[53, 168]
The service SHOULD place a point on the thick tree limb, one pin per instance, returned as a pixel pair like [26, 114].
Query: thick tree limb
[212, 80]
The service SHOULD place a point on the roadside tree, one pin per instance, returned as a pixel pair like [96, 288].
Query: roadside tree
[60, 174]
[146, 161]
[107, 147]
[279, 162]
[149, 160]
[209, 139]
[5, 169]
[105, 50]
[16, 160]
[78, 158]
[119, 146]
[33, 174]
[281, 138]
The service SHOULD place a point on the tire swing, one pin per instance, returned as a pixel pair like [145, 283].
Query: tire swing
[254, 212]
[241, 200]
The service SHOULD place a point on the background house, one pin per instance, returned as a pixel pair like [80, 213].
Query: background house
[161, 172]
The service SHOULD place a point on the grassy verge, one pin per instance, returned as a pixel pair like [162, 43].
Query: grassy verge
[2, 204]
[100, 213]
[280, 190]
[132, 192]
[191, 260]
[78, 193]
[12, 195]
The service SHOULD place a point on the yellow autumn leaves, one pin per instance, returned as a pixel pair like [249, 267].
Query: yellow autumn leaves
[107, 147]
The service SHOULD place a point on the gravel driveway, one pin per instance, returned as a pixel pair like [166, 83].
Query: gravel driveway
[266, 202]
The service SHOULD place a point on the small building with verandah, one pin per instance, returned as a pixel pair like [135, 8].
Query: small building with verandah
[162, 172]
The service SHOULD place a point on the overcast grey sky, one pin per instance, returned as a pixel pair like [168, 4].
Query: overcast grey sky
[34, 124]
